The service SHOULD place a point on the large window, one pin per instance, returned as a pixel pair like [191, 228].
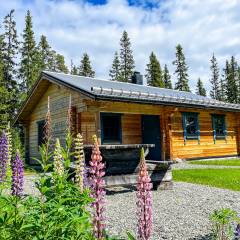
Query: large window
[40, 126]
[111, 131]
[190, 126]
[219, 127]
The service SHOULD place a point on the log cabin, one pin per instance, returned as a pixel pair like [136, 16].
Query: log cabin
[169, 124]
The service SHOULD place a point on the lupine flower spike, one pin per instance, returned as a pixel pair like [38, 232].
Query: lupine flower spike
[97, 186]
[9, 139]
[3, 156]
[48, 124]
[58, 159]
[144, 201]
[69, 115]
[17, 175]
[80, 161]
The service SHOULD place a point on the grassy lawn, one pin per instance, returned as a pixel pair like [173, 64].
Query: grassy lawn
[221, 178]
[220, 162]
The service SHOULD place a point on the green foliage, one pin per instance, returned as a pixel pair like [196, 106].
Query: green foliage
[114, 72]
[181, 70]
[222, 223]
[85, 68]
[154, 73]
[215, 91]
[167, 78]
[28, 71]
[200, 88]
[126, 59]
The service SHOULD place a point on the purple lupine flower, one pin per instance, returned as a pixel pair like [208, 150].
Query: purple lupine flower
[144, 201]
[17, 176]
[237, 232]
[96, 172]
[3, 156]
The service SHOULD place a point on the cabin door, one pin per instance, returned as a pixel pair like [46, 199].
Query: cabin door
[151, 135]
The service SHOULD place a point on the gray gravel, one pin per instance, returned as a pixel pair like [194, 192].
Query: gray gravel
[179, 214]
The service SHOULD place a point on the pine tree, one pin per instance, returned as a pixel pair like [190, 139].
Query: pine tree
[85, 68]
[60, 65]
[167, 78]
[114, 72]
[154, 74]
[231, 81]
[74, 70]
[215, 91]
[181, 70]
[28, 71]
[44, 54]
[200, 88]
[9, 54]
[126, 59]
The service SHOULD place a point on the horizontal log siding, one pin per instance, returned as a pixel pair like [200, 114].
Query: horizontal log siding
[59, 101]
[206, 147]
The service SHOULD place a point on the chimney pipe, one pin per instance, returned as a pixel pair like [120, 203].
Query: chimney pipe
[137, 78]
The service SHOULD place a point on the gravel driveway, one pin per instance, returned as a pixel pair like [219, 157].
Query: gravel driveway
[179, 214]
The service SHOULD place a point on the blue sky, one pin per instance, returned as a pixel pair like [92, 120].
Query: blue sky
[95, 26]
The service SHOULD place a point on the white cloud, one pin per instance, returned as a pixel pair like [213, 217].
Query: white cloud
[74, 27]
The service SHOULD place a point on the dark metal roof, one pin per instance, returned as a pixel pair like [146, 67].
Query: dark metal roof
[106, 89]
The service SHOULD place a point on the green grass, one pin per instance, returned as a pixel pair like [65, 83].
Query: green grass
[221, 178]
[220, 162]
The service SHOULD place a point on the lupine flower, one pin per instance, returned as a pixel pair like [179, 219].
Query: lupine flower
[237, 232]
[17, 176]
[96, 172]
[144, 201]
[58, 159]
[69, 115]
[9, 140]
[3, 156]
[48, 124]
[80, 162]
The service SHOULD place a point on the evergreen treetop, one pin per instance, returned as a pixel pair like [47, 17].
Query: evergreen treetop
[154, 73]
[167, 78]
[215, 91]
[85, 68]
[114, 72]
[200, 88]
[181, 70]
[126, 59]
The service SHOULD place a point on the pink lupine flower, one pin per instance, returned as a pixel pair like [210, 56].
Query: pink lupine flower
[3, 156]
[17, 176]
[144, 201]
[96, 173]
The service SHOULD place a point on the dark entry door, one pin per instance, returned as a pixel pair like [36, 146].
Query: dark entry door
[151, 135]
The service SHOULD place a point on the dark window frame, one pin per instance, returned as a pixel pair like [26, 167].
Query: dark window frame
[190, 136]
[40, 129]
[216, 134]
[118, 139]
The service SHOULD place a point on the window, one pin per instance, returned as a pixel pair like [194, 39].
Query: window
[219, 129]
[111, 128]
[41, 132]
[190, 126]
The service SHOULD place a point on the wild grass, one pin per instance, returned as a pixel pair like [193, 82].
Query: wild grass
[220, 178]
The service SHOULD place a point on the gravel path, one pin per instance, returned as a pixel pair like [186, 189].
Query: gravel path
[179, 214]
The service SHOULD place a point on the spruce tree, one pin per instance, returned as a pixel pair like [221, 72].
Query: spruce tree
[126, 59]
[215, 90]
[181, 70]
[74, 69]
[114, 72]
[200, 88]
[167, 78]
[231, 81]
[85, 68]
[28, 71]
[44, 54]
[154, 74]
[9, 55]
